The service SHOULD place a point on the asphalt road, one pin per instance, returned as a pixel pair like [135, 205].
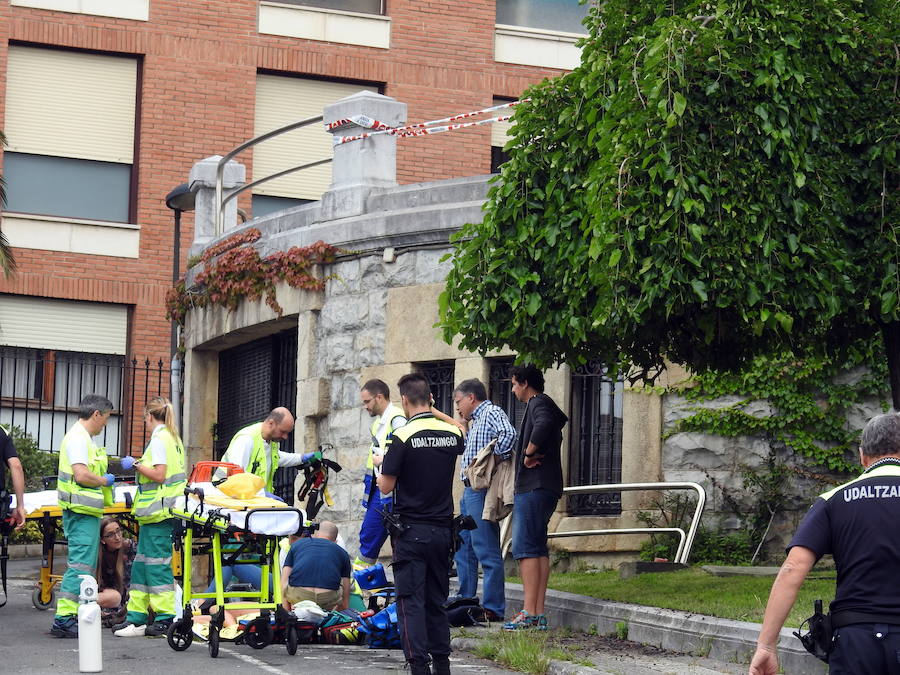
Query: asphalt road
[26, 646]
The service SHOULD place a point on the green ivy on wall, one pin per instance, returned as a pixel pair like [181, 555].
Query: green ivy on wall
[810, 400]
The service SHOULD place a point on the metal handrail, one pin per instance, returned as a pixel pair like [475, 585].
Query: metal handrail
[221, 199]
[686, 542]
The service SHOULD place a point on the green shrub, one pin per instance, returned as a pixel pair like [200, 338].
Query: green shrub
[35, 462]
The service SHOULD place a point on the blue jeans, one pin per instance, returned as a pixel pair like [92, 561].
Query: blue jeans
[531, 515]
[246, 574]
[481, 545]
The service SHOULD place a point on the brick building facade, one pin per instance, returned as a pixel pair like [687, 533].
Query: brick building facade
[194, 69]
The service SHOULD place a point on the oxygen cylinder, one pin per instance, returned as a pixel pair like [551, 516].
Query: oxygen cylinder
[90, 651]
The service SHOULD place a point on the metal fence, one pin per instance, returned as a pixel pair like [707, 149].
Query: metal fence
[40, 391]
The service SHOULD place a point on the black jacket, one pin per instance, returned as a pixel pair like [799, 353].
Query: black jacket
[542, 425]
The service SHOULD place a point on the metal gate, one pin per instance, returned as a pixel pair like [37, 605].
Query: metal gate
[254, 378]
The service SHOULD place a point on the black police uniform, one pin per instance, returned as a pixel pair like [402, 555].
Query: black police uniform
[857, 523]
[422, 455]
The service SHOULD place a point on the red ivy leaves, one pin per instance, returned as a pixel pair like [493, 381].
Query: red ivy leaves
[240, 273]
[235, 240]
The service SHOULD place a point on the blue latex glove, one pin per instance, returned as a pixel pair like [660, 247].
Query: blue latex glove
[127, 463]
[310, 456]
[110, 479]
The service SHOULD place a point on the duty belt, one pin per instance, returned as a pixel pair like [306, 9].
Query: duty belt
[846, 617]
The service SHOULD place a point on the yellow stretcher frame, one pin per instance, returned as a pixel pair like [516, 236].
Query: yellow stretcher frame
[49, 519]
[200, 534]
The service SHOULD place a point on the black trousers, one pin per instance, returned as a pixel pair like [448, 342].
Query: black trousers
[866, 649]
[421, 566]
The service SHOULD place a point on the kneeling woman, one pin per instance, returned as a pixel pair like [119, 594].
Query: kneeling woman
[161, 480]
[113, 571]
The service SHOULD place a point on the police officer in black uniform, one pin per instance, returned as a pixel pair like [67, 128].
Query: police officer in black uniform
[856, 523]
[418, 468]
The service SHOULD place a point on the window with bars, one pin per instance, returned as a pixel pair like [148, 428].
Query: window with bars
[254, 378]
[440, 380]
[500, 390]
[595, 445]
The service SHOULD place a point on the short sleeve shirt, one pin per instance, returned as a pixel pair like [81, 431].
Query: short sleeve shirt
[422, 455]
[7, 449]
[317, 563]
[857, 524]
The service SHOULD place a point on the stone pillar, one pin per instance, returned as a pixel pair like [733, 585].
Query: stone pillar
[203, 183]
[359, 167]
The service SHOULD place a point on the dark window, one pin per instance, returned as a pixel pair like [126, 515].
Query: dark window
[362, 6]
[440, 379]
[67, 187]
[263, 205]
[500, 390]
[556, 15]
[254, 378]
[595, 445]
[499, 156]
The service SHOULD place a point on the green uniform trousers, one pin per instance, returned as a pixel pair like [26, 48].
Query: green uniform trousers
[152, 584]
[83, 534]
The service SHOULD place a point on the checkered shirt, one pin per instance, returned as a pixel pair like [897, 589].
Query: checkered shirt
[488, 422]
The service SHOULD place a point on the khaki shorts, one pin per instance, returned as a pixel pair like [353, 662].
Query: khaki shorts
[327, 600]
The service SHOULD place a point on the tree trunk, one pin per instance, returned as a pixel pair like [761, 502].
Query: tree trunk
[891, 334]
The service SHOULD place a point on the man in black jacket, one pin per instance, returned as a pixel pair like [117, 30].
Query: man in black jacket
[538, 489]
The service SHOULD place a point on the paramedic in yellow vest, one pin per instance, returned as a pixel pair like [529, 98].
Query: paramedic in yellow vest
[80, 486]
[376, 399]
[256, 448]
[161, 479]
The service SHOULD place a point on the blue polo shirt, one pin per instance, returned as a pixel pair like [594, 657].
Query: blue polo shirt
[317, 563]
[857, 524]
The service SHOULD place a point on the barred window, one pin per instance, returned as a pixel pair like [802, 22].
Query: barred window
[500, 390]
[440, 376]
[595, 445]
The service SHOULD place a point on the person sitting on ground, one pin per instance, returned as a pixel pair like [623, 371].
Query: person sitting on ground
[113, 571]
[317, 569]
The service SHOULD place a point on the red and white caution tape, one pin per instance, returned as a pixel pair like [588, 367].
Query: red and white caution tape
[419, 129]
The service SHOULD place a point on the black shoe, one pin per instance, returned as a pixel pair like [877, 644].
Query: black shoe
[440, 665]
[65, 627]
[490, 615]
[419, 669]
[158, 628]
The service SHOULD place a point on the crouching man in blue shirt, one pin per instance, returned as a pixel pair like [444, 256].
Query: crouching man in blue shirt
[857, 524]
[317, 569]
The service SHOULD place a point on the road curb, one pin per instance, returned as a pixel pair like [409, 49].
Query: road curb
[695, 634]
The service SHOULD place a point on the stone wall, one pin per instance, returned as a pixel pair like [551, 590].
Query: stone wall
[718, 462]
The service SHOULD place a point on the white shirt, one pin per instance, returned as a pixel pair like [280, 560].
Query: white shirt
[77, 445]
[156, 450]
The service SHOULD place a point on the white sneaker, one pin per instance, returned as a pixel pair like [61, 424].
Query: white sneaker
[131, 631]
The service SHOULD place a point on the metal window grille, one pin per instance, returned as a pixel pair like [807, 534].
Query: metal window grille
[595, 446]
[40, 391]
[254, 378]
[500, 390]
[440, 380]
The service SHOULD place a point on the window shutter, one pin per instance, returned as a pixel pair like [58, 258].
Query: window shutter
[280, 101]
[65, 325]
[70, 104]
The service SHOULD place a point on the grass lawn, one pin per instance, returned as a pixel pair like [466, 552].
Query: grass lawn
[693, 590]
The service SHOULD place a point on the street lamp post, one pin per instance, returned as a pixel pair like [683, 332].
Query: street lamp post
[180, 199]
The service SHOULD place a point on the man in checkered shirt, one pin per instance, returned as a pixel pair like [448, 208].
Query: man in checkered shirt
[487, 422]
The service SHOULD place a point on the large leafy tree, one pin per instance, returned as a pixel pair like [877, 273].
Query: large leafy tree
[714, 182]
[7, 261]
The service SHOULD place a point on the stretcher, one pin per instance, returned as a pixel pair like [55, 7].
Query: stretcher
[231, 531]
[42, 508]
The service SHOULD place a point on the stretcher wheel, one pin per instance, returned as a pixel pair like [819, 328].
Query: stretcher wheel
[179, 640]
[213, 641]
[291, 639]
[38, 603]
[258, 633]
